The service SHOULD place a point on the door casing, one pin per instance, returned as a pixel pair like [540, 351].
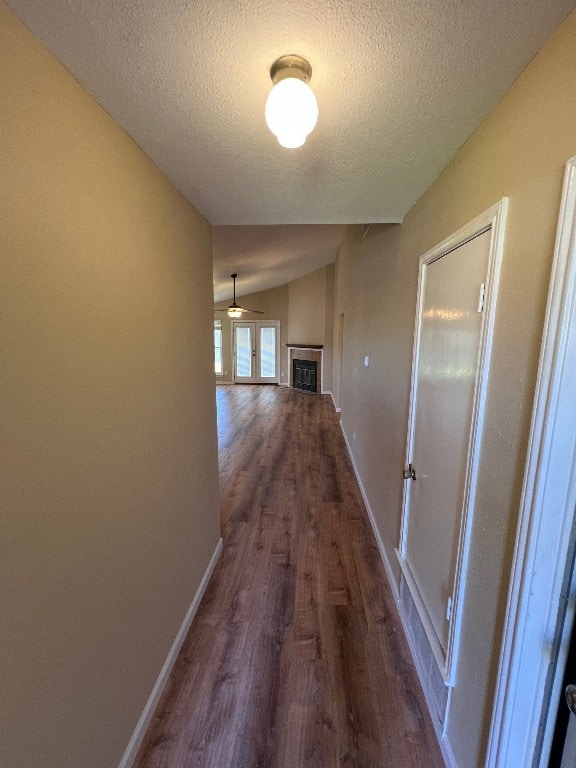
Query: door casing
[540, 608]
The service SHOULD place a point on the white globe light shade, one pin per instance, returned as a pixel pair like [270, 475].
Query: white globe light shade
[291, 112]
[233, 312]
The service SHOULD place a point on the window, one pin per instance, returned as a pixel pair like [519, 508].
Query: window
[218, 347]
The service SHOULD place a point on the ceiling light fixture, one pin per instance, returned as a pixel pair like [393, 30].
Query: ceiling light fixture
[235, 310]
[291, 107]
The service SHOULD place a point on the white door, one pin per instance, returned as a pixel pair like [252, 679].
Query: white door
[450, 371]
[256, 352]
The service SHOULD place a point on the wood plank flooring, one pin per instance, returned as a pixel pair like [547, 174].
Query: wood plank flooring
[296, 657]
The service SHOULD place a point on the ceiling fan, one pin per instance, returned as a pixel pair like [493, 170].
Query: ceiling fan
[234, 310]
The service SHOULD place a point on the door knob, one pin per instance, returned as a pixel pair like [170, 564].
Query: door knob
[570, 694]
[410, 473]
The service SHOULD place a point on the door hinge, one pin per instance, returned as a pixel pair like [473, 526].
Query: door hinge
[449, 609]
[481, 297]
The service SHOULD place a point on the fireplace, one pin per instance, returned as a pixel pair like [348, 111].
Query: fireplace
[305, 375]
[307, 358]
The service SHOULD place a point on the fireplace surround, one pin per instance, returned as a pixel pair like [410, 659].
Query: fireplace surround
[307, 353]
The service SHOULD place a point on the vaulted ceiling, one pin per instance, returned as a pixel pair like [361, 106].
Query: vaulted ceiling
[400, 84]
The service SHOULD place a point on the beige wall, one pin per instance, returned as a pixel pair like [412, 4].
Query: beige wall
[519, 151]
[311, 315]
[109, 484]
[328, 329]
[307, 308]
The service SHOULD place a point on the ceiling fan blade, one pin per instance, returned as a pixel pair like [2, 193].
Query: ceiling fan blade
[241, 309]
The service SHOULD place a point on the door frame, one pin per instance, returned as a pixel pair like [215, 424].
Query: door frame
[535, 633]
[492, 220]
[257, 324]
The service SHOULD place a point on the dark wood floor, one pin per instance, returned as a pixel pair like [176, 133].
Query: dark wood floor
[296, 657]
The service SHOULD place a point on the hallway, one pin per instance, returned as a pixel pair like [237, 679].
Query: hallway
[296, 657]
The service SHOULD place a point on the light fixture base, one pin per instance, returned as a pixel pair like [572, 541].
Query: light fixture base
[290, 66]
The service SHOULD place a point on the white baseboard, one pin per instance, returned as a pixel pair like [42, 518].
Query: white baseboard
[445, 747]
[447, 753]
[337, 409]
[283, 384]
[383, 555]
[146, 716]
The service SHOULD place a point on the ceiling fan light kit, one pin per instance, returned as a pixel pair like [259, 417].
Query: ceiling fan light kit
[234, 310]
[291, 108]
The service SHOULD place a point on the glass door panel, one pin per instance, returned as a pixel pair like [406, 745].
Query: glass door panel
[267, 356]
[243, 352]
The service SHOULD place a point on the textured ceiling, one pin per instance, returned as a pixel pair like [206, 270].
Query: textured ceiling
[400, 85]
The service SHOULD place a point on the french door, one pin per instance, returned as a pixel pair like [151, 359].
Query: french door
[256, 352]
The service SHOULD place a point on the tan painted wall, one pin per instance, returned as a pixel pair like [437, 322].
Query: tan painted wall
[519, 151]
[109, 484]
[328, 329]
[307, 308]
[311, 315]
[343, 312]
[274, 304]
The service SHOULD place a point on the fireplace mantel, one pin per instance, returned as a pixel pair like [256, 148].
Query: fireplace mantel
[305, 346]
